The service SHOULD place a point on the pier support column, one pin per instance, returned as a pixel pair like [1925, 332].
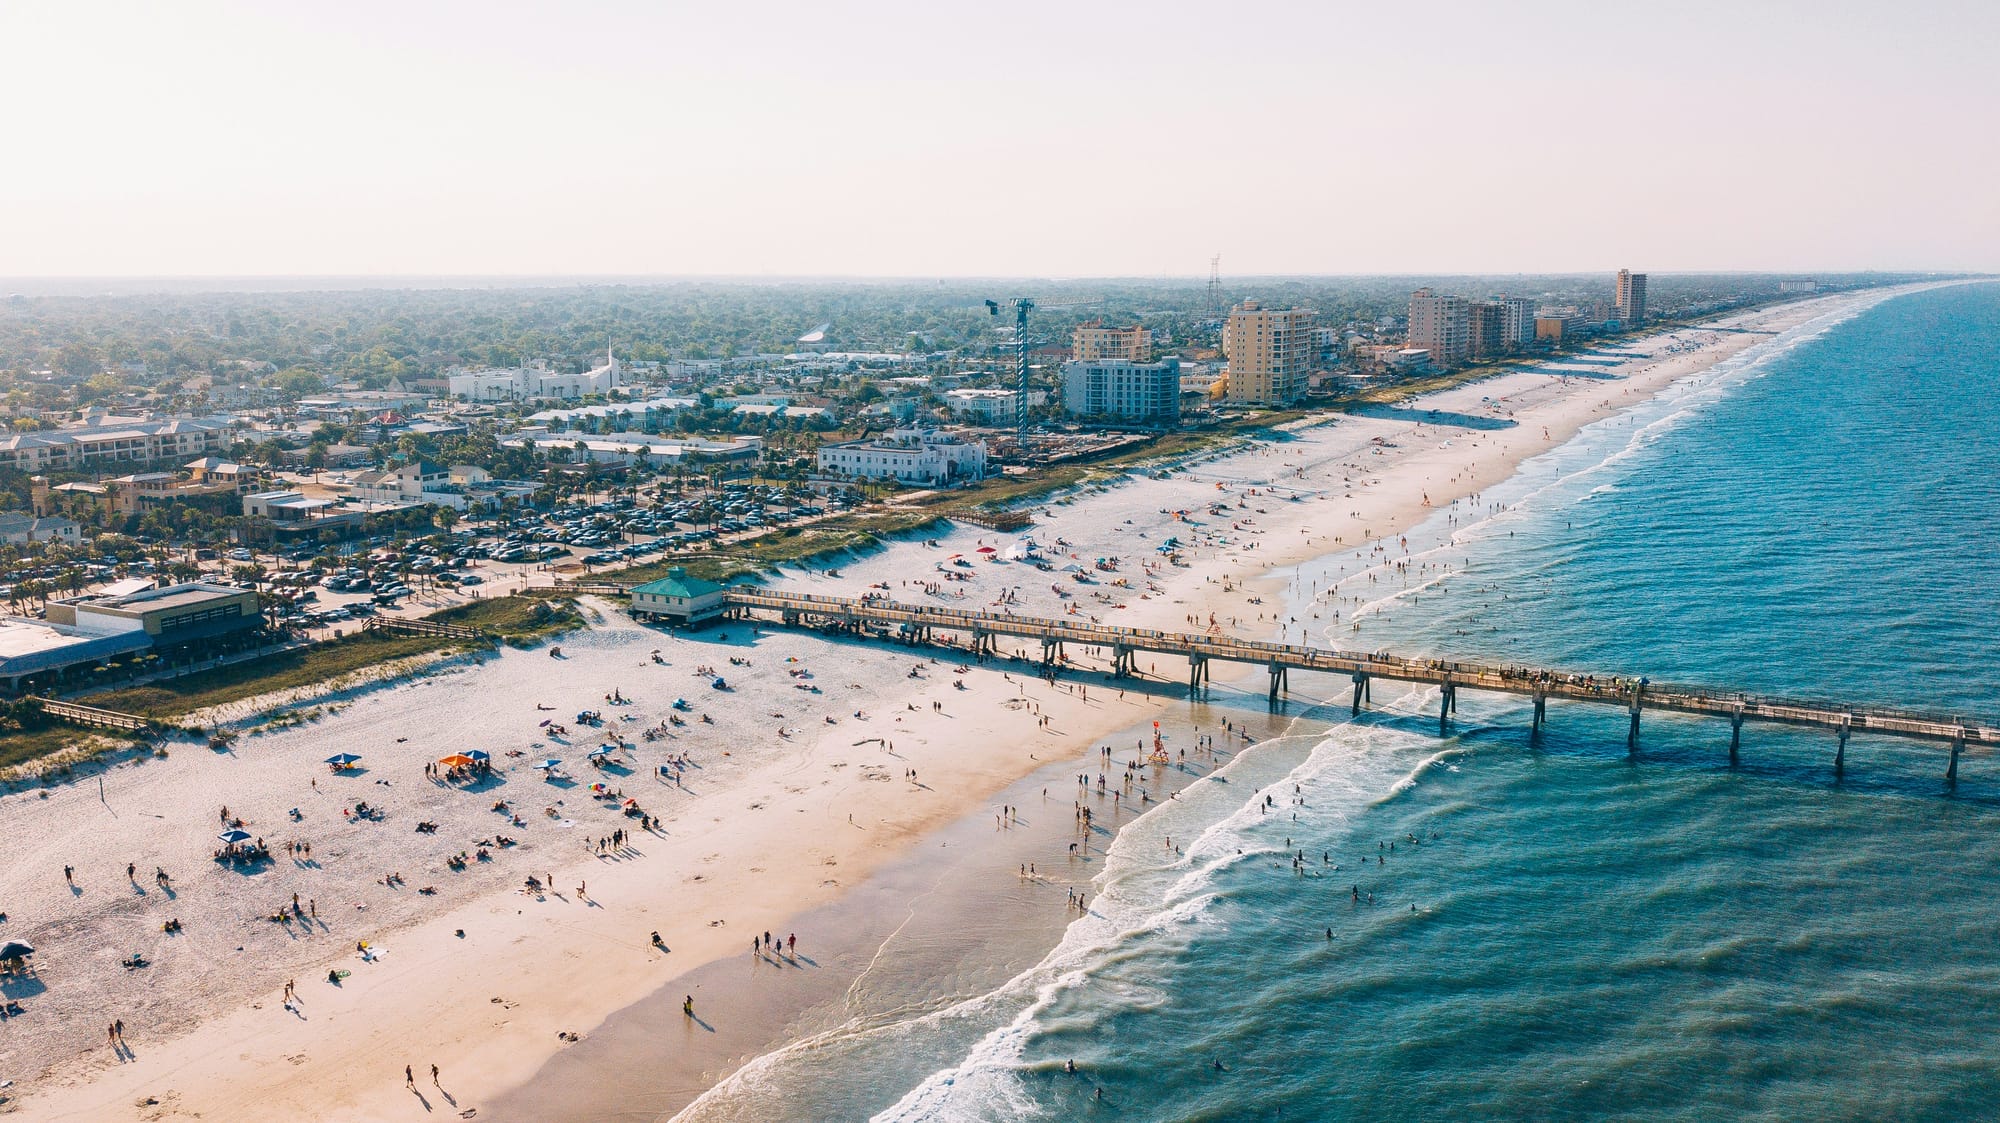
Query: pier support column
[1360, 690]
[1957, 747]
[1632, 734]
[1279, 682]
[1121, 661]
[1840, 754]
[1541, 714]
[1447, 702]
[1735, 734]
[1197, 673]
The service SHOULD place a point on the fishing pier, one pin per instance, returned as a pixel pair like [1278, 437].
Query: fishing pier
[980, 631]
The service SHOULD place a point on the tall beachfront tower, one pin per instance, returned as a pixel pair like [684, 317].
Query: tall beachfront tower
[1270, 353]
[1441, 325]
[1630, 302]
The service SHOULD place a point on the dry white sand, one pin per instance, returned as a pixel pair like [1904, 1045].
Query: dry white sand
[770, 823]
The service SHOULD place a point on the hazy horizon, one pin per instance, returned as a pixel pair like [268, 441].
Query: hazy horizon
[224, 139]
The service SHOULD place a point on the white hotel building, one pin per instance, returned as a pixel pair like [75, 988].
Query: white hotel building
[911, 456]
[523, 384]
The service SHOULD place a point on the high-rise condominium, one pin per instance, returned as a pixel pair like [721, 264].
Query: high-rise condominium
[1630, 303]
[1270, 354]
[1442, 326]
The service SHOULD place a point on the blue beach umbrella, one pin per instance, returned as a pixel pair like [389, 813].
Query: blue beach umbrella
[480, 754]
[342, 759]
[234, 837]
[551, 762]
[602, 750]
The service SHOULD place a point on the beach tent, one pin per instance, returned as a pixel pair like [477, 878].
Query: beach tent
[342, 760]
[16, 949]
[455, 760]
[480, 754]
[551, 762]
[234, 837]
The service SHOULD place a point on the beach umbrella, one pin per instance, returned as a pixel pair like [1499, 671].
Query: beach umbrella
[988, 550]
[602, 750]
[16, 949]
[455, 760]
[342, 760]
[234, 837]
[600, 788]
[480, 754]
[551, 762]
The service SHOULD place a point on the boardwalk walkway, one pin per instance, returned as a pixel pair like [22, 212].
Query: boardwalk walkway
[918, 623]
[78, 714]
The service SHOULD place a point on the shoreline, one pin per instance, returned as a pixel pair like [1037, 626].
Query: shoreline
[235, 1065]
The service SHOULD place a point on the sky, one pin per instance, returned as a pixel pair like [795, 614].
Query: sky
[937, 138]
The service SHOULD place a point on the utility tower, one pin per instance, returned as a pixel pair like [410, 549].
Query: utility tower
[1022, 345]
[1022, 306]
[1215, 284]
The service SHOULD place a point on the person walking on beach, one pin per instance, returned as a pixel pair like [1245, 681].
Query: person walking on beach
[409, 1079]
[434, 1076]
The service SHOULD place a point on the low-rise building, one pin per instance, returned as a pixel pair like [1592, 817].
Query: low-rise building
[1095, 343]
[292, 515]
[1148, 393]
[86, 631]
[639, 448]
[195, 610]
[18, 528]
[1559, 327]
[103, 440]
[991, 406]
[32, 649]
[914, 456]
[678, 599]
[526, 383]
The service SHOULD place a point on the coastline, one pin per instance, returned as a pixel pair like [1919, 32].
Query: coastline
[780, 811]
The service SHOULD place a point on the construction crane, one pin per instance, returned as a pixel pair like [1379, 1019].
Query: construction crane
[1022, 345]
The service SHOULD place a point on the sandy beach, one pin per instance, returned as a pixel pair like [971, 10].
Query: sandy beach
[833, 783]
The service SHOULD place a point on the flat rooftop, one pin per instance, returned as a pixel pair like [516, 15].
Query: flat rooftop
[20, 637]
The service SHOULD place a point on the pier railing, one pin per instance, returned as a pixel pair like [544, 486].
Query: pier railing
[981, 628]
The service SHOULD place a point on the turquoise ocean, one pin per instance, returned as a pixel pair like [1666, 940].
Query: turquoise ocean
[1563, 929]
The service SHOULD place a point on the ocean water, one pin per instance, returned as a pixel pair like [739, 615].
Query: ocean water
[1367, 920]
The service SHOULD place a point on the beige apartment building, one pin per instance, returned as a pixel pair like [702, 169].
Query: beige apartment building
[1270, 353]
[1630, 302]
[1095, 343]
[1441, 325]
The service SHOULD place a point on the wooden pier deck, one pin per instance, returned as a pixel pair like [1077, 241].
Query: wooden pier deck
[919, 623]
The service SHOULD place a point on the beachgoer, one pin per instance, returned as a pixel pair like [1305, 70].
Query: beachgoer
[409, 1078]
